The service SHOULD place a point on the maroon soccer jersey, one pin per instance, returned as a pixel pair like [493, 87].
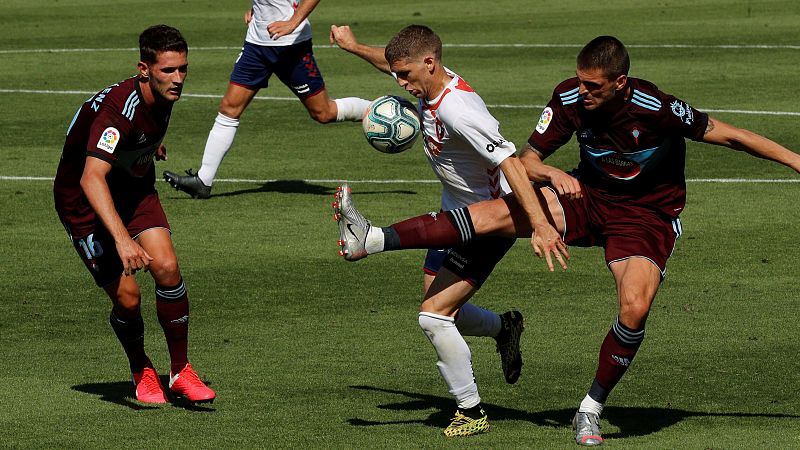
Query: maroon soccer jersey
[636, 154]
[116, 126]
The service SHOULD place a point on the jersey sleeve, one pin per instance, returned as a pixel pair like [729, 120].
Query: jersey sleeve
[482, 131]
[106, 133]
[554, 128]
[682, 118]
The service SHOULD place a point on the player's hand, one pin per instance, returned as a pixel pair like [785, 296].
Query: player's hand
[343, 37]
[547, 242]
[565, 184]
[161, 153]
[280, 28]
[248, 16]
[133, 256]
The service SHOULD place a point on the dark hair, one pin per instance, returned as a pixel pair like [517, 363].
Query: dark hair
[413, 41]
[606, 53]
[158, 39]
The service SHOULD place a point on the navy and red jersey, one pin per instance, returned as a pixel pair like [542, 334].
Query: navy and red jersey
[116, 126]
[636, 153]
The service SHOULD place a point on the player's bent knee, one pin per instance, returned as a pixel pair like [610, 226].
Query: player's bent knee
[432, 323]
[166, 271]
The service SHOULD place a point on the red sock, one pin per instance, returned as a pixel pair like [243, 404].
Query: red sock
[172, 308]
[616, 353]
[442, 230]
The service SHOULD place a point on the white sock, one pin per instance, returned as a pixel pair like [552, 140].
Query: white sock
[472, 320]
[374, 241]
[350, 108]
[590, 405]
[455, 359]
[220, 139]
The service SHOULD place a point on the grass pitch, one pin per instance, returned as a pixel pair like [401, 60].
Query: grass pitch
[306, 350]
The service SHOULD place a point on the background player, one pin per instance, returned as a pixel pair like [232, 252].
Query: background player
[278, 41]
[105, 196]
[474, 162]
[625, 196]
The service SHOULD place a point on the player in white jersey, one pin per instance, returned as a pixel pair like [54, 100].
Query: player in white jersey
[278, 41]
[474, 162]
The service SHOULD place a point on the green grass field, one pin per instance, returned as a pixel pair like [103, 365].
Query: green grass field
[306, 350]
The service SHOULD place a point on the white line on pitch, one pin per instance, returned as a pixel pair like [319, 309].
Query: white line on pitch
[545, 45]
[429, 181]
[290, 99]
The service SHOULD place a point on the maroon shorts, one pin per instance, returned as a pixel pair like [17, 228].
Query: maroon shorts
[96, 246]
[623, 228]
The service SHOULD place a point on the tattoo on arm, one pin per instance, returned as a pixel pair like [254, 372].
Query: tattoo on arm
[529, 148]
[709, 127]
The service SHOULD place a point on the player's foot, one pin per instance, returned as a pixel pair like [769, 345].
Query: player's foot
[187, 384]
[189, 183]
[148, 386]
[463, 425]
[508, 345]
[353, 227]
[587, 429]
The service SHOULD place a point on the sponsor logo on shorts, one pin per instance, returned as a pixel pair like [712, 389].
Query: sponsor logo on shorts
[108, 140]
[302, 89]
[544, 120]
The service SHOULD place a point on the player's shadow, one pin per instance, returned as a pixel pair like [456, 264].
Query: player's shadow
[300, 187]
[121, 393]
[630, 421]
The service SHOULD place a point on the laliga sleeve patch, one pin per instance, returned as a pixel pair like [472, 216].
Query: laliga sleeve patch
[544, 120]
[108, 140]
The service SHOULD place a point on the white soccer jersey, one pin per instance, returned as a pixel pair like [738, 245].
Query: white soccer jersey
[267, 11]
[464, 146]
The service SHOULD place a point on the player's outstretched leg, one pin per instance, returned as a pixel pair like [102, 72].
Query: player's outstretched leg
[465, 425]
[148, 386]
[508, 345]
[353, 227]
[189, 183]
[587, 429]
[187, 384]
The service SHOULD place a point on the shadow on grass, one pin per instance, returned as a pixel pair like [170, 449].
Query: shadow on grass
[122, 393]
[630, 421]
[300, 187]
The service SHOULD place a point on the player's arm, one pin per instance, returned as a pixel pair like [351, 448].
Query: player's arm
[95, 187]
[344, 38]
[284, 27]
[545, 239]
[537, 170]
[721, 133]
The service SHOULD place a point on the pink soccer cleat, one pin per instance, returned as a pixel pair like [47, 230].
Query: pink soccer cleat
[148, 386]
[187, 384]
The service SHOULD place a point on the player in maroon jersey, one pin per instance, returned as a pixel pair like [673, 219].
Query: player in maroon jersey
[625, 196]
[105, 196]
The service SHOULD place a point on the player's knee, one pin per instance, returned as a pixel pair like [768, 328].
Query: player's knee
[128, 300]
[634, 314]
[166, 271]
[231, 110]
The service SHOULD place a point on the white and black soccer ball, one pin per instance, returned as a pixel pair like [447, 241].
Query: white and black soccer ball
[391, 124]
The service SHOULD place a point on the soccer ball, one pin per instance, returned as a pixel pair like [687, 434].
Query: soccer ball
[391, 124]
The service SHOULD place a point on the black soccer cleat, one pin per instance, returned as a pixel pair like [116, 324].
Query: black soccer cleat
[508, 345]
[190, 183]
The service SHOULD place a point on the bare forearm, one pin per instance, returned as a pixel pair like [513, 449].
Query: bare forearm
[721, 133]
[523, 190]
[373, 55]
[303, 11]
[97, 192]
[535, 169]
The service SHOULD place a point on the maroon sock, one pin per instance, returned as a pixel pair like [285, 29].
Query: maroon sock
[442, 230]
[130, 332]
[172, 308]
[616, 353]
